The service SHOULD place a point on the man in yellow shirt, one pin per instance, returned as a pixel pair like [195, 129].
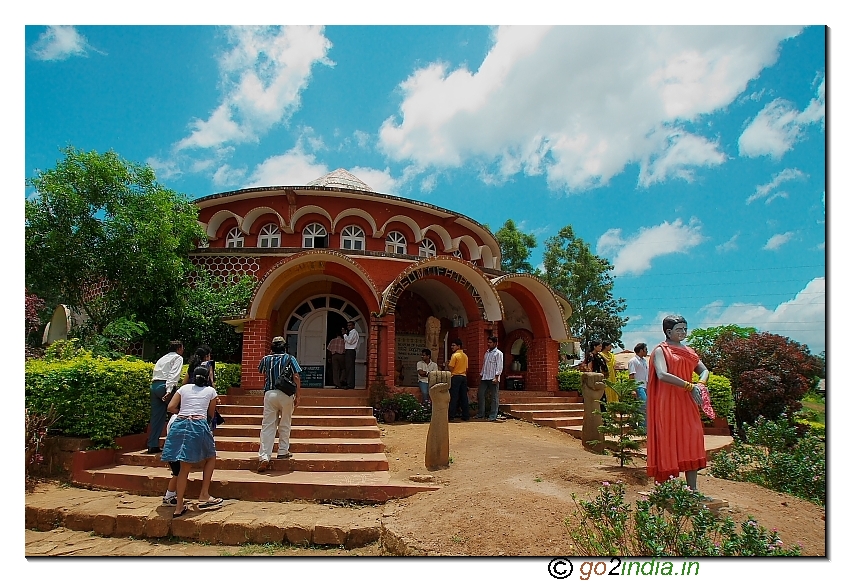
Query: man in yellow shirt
[458, 389]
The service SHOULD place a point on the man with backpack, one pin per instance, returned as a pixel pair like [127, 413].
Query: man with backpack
[283, 383]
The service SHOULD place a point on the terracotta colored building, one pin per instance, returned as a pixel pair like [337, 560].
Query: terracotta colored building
[335, 251]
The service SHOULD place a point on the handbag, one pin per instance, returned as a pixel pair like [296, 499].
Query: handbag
[286, 378]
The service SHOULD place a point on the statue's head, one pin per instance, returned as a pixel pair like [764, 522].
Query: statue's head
[675, 327]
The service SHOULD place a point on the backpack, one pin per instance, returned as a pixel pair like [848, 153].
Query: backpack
[286, 378]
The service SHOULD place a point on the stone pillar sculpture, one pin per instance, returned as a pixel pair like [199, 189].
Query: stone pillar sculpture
[592, 388]
[432, 336]
[437, 444]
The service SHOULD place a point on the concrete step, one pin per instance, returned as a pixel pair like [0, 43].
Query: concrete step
[300, 420]
[307, 445]
[542, 406]
[300, 461]
[559, 422]
[564, 413]
[574, 431]
[276, 485]
[304, 400]
[228, 430]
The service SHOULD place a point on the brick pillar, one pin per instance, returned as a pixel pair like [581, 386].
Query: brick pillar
[542, 365]
[389, 349]
[256, 342]
[375, 365]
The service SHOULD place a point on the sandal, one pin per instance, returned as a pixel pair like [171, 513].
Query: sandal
[212, 501]
[182, 512]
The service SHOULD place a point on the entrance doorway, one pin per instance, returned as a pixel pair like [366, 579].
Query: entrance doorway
[309, 330]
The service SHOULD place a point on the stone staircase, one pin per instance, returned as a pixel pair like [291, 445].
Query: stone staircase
[563, 411]
[337, 454]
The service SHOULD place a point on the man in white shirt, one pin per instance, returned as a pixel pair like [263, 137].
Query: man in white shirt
[166, 376]
[639, 371]
[491, 372]
[423, 368]
[352, 339]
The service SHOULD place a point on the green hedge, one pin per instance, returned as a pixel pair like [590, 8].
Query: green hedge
[95, 398]
[722, 400]
[569, 380]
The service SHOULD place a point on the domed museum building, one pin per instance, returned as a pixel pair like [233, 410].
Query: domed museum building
[335, 251]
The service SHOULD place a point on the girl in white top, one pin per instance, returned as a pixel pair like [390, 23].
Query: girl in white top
[190, 438]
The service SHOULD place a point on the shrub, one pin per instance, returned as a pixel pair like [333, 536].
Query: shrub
[769, 373]
[569, 380]
[37, 426]
[407, 404]
[672, 521]
[774, 457]
[722, 399]
[622, 420]
[227, 375]
[422, 414]
[95, 398]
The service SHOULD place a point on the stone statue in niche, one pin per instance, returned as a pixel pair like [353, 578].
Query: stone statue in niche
[432, 335]
[592, 388]
[437, 444]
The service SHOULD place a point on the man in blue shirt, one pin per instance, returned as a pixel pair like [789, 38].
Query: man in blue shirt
[277, 406]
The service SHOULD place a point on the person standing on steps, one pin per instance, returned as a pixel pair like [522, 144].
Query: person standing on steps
[491, 372]
[458, 389]
[423, 368]
[352, 340]
[639, 371]
[277, 406]
[610, 363]
[166, 377]
[336, 348]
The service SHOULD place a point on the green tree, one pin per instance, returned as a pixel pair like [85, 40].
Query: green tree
[623, 421]
[586, 280]
[207, 303]
[705, 341]
[516, 248]
[103, 236]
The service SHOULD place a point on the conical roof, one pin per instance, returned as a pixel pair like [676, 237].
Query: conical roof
[340, 178]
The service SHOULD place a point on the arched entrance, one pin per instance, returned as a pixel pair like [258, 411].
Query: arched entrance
[309, 329]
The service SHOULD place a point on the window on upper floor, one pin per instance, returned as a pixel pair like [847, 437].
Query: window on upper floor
[396, 243]
[353, 238]
[428, 248]
[457, 253]
[269, 237]
[314, 236]
[235, 239]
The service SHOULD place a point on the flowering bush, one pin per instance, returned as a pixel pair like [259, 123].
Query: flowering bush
[37, 425]
[672, 521]
[774, 457]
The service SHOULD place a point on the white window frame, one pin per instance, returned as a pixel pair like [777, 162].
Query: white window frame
[234, 239]
[310, 233]
[458, 254]
[353, 235]
[396, 243]
[269, 237]
[428, 248]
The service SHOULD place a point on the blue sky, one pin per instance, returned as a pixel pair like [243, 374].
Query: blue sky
[692, 158]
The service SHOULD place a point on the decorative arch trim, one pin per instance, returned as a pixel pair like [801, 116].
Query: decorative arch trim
[251, 217]
[557, 310]
[359, 213]
[483, 293]
[304, 264]
[487, 256]
[218, 219]
[471, 245]
[303, 211]
[410, 222]
[444, 235]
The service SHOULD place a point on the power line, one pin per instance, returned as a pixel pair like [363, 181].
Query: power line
[719, 271]
[729, 296]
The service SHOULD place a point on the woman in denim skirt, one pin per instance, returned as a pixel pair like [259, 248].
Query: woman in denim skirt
[190, 439]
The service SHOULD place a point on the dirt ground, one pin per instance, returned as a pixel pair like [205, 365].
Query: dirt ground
[508, 490]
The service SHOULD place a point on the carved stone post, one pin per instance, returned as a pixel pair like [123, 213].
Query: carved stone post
[592, 389]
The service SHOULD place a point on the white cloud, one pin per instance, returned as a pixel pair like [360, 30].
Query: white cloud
[635, 254]
[163, 168]
[362, 139]
[538, 103]
[765, 189]
[228, 176]
[801, 318]
[729, 245]
[779, 126]
[676, 158]
[263, 75]
[59, 43]
[778, 240]
[295, 167]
